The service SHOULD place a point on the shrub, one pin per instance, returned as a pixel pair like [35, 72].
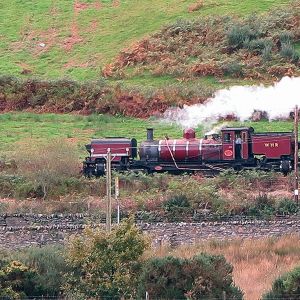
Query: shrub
[179, 201]
[105, 265]
[202, 277]
[285, 287]
[17, 281]
[177, 207]
[287, 206]
[49, 264]
[179, 26]
[267, 52]
[259, 45]
[232, 68]
[288, 51]
[286, 37]
[263, 207]
[239, 34]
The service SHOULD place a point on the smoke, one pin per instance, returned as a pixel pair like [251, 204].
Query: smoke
[241, 101]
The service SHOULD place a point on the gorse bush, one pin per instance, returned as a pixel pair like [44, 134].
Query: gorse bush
[201, 277]
[177, 207]
[232, 68]
[286, 207]
[263, 206]
[286, 37]
[285, 287]
[49, 264]
[17, 281]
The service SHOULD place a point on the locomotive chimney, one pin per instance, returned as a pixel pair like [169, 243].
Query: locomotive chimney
[149, 134]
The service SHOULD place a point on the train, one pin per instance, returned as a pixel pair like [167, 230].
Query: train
[238, 148]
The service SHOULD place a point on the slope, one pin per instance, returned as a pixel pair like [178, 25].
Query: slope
[76, 39]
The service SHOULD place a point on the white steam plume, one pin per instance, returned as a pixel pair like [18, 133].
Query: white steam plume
[241, 101]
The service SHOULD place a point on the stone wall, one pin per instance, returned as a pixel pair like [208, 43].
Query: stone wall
[17, 231]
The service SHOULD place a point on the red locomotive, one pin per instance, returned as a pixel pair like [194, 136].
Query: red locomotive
[238, 148]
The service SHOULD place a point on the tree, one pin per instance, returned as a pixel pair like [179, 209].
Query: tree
[105, 265]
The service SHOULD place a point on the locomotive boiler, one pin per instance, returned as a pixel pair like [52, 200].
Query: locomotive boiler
[236, 147]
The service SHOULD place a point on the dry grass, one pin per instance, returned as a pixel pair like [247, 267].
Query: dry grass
[196, 6]
[257, 263]
[57, 156]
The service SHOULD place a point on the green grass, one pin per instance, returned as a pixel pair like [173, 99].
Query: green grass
[25, 24]
[21, 129]
[148, 81]
[266, 126]
[297, 46]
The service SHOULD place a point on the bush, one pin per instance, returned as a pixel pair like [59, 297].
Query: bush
[259, 45]
[17, 281]
[105, 265]
[267, 52]
[286, 207]
[285, 287]
[288, 51]
[286, 37]
[239, 34]
[177, 208]
[49, 264]
[202, 277]
[199, 195]
[263, 207]
[232, 68]
[176, 202]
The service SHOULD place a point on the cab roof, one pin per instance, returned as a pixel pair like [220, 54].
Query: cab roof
[237, 128]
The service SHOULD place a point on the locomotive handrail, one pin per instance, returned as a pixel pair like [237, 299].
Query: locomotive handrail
[189, 169]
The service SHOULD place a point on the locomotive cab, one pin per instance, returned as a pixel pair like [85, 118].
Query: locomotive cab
[236, 143]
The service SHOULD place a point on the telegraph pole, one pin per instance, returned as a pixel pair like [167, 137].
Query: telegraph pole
[296, 192]
[108, 191]
[117, 193]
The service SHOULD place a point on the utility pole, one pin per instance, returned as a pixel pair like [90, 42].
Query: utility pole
[117, 193]
[108, 191]
[296, 192]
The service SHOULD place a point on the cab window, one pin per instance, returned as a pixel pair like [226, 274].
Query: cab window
[227, 137]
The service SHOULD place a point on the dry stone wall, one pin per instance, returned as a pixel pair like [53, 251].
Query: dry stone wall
[18, 231]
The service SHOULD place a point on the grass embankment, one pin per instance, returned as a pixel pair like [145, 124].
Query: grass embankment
[77, 38]
[257, 263]
[19, 130]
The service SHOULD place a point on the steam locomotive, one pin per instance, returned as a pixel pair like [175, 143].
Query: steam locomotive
[236, 147]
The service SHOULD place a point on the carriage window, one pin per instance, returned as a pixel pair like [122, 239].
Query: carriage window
[244, 137]
[226, 137]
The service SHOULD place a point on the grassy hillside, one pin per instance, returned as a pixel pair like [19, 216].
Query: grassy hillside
[77, 38]
[20, 130]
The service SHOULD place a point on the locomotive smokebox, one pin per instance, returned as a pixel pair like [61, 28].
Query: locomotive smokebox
[149, 134]
[149, 148]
